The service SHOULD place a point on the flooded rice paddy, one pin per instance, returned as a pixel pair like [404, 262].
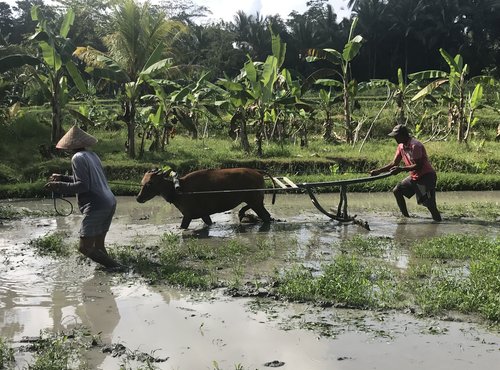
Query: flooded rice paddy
[209, 330]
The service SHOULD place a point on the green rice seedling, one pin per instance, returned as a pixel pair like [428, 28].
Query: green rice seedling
[484, 294]
[486, 211]
[61, 351]
[8, 213]
[367, 246]
[297, 284]
[456, 246]
[162, 264]
[443, 290]
[467, 283]
[7, 360]
[347, 281]
[51, 244]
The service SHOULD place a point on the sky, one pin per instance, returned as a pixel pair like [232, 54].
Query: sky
[226, 9]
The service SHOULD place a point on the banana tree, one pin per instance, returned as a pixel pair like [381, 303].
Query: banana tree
[255, 89]
[347, 85]
[237, 102]
[460, 106]
[401, 92]
[53, 67]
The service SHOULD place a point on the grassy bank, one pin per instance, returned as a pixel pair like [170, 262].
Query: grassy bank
[25, 163]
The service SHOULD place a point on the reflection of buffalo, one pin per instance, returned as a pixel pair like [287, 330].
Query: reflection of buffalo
[181, 192]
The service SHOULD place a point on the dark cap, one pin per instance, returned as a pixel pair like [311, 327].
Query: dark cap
[400, 130]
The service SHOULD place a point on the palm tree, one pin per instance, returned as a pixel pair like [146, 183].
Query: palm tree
[480, 18]
[406, 18]
[135, 47]
[252, 34]
[373, 26]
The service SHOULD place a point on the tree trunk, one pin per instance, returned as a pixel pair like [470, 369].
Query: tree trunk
[244, 135]
[56, 132]
[259, 134]
[328, 125]
[400, 114]
[461, 112]
[347, 115]
[130, 120]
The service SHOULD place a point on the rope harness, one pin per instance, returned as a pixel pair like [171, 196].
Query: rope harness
[55, 197]
[285, 185]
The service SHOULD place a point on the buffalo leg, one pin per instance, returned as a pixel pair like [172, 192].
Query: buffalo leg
[185, 222]
[206, 219]
[242, 211]
[262, 213]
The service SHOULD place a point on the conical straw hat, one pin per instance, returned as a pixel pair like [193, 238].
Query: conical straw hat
[76, 138]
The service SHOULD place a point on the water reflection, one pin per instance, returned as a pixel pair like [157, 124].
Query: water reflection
[98, 311]
[411, 230]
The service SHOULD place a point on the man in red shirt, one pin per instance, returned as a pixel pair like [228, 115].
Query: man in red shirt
[422, 179]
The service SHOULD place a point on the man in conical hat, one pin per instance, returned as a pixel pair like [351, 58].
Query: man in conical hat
[95, 199]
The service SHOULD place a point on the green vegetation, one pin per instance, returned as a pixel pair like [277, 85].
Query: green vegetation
[6, 355]
[68, 350]
[452, 273]
[193, 264]
[346, 282]
[10, 212]
[470, 284]
[23, 173]
[56, 352]
[51, 245]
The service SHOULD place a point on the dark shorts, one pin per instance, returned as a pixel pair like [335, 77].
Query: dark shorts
[96, 222]
[424, 188]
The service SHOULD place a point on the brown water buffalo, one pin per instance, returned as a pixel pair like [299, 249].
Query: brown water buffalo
[181, 192]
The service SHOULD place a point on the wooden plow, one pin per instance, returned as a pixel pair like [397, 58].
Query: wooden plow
[342, 214]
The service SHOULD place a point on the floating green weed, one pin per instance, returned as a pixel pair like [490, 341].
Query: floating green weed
[6, 355]
[51, 244]
[8, 213]
[216, 366]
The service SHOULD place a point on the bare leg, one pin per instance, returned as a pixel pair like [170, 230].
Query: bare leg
[400, 199]
[432, 207]
[93, 248]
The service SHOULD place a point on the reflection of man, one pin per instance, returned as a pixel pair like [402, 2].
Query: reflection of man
[98, 312]
[422, 179]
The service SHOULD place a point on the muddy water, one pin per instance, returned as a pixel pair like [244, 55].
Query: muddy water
[195, 330]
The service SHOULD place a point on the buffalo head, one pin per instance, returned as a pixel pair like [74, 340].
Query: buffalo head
[157, 182]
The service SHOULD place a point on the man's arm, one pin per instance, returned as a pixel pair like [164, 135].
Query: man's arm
[389, 167]
[80, 183]
[414, 167]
